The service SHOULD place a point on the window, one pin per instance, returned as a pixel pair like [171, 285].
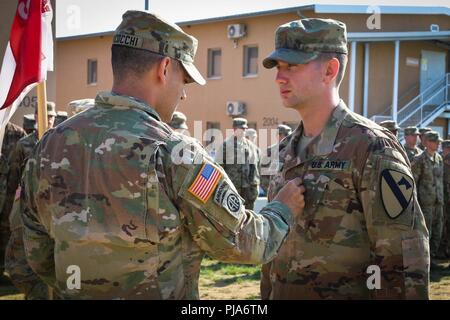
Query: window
[92, 71]
[250, 60]
[214, 63]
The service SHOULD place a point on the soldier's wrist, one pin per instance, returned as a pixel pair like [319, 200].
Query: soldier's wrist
[282, 210]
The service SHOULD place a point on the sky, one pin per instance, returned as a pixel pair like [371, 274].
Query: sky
[78, 17]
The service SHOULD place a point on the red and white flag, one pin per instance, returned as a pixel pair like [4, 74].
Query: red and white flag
[28, 56]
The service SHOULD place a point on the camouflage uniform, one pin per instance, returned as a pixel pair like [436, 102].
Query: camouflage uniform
[411, 152]
[444, 249]
[13, 134]
[269, 163]
[105, 194]
[241, 161]
[15, 261]
[360, 201]
[428, 174]
[391, 126]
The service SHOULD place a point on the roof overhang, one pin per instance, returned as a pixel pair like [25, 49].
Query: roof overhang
[402, 36]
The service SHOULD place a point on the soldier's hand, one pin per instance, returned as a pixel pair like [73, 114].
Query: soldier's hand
[292, 196]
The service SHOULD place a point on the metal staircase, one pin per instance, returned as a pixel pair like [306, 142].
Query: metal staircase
[424, 108]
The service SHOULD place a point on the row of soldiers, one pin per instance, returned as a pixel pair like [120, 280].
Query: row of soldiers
[17, 146]
[431, 170]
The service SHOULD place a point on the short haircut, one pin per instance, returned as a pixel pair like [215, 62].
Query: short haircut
[341, 57]
[132, 62]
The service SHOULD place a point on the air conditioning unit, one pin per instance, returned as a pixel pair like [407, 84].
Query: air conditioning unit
[235, 108]
[434, 28]
[236, 31]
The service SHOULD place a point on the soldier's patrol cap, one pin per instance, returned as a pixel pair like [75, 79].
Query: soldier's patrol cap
[29, 121]
[424, 130]
[391, 125]
[411, 131]
[250, 132]
[240, 123]
[301, 41]
[51, 109]
[178, 120]
[432, 136]
[80, 105]
[147, 31]
[446, 144]
[284, 130]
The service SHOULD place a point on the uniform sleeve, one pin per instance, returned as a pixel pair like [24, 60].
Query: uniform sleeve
[416, 169]
[15, 160]
[39, 246]
[218, 221]
[395, 224]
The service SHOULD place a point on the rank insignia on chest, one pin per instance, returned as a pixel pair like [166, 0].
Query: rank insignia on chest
[338, 165]
[205, 182]
[396, 191]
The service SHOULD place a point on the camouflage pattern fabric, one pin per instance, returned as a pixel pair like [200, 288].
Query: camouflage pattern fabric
[16, 263]
[106, 193]
[146, 31]
[13, 134]
[428, 174]
[361, 210]
[444, 249]
[241, 160]
[412, 152]
[268, 165]
[301, 41]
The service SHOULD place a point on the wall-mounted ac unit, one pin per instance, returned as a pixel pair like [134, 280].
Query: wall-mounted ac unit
[236, 31]
[235, 108]
[434, 28]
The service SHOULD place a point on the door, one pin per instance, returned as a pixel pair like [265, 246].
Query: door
[432, 70]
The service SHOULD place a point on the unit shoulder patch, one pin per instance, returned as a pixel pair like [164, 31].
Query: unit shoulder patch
[228, 199]
[396, 189]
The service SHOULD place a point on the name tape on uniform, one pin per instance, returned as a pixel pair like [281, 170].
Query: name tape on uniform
[330, 165]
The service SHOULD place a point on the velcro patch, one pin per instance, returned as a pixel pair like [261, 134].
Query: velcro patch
[205, 182]
[338, 165]
[228, 199]
[396, 191]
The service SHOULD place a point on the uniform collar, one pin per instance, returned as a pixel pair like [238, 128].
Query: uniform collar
[321, 145]
[112, 99]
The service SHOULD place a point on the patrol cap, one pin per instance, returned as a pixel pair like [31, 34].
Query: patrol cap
[61, 116]
[240, 123]
[391, 125]
[80, 105]
[147, 31]
[284, 130]
[250, 132]
[446, 144]
[411, 131]
[29, 121]
[178, 120]
[424, 130]
[51, 109]
[301, 41]
[433, 136]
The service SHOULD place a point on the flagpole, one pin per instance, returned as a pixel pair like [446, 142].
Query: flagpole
[42, 108]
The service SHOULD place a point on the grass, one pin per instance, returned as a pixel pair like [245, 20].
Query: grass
[236, 281]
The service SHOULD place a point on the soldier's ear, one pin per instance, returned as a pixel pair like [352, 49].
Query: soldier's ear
[330, 70]
[163, 69]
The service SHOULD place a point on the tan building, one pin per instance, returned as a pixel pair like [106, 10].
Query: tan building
[397, 59]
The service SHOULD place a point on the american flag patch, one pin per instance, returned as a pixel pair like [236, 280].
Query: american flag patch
[205, 183]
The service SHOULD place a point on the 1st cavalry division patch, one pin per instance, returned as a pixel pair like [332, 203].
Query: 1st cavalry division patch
[396, 191]
[205, 182]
